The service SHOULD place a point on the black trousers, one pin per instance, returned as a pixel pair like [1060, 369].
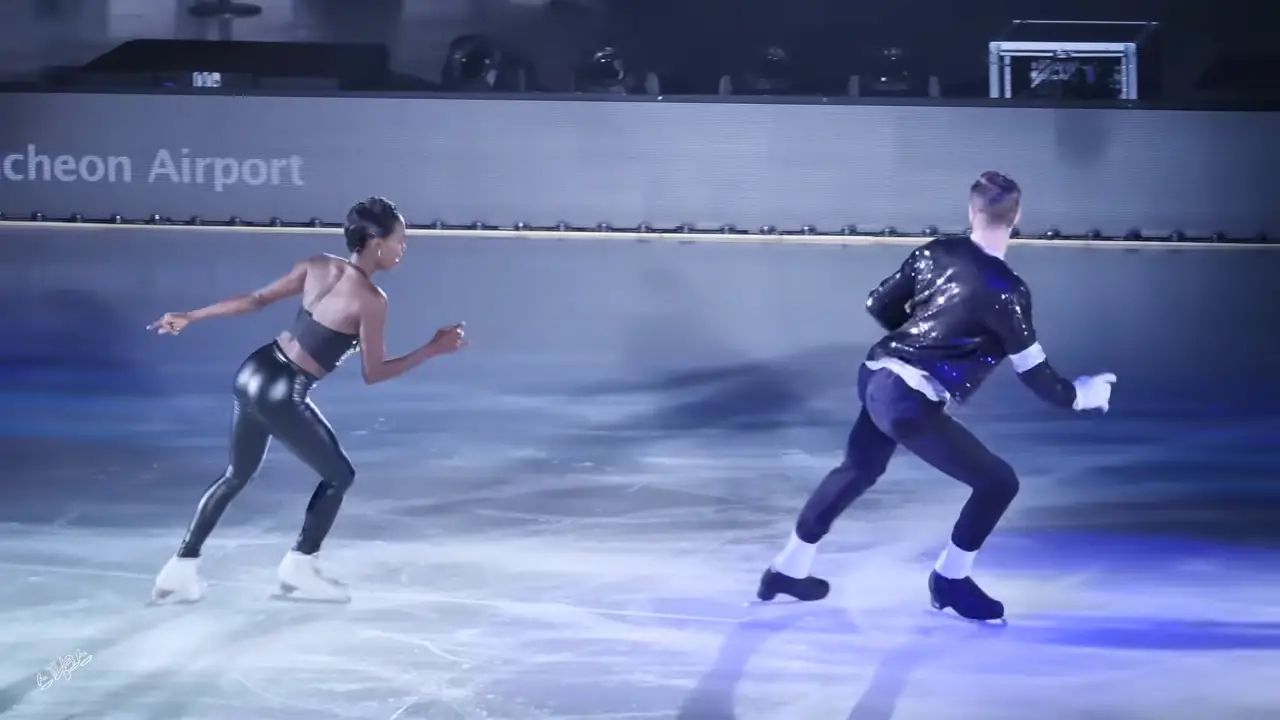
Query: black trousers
[271, 400]
[894, 414]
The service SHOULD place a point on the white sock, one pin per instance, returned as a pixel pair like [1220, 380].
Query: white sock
[796, 559]
[954, 563]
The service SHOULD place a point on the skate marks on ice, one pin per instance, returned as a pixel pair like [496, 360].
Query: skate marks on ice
[150, 660]
[567, 627]
[506, 575]
[1047, 666]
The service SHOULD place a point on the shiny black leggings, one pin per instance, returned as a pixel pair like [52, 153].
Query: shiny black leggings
[271, 401]
[894, 414]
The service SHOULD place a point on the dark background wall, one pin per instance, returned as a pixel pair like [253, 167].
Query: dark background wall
[690, 38]
[766, 323]
[542, 162]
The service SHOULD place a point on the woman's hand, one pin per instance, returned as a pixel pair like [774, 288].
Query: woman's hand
[171, 323]
[449, 339]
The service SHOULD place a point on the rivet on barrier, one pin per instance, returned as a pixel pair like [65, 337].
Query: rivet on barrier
[889, 231]
[604, 227]
[1218, 237]
[196, 220]
[76, 218]
[316, 222]
[768, 230]
[809, 230]
[930, 230]
[478, 225]
[684, 228]
[1053, 233]
[563, 226]
[1177, 236]
[521, 226]
[1015, 232]
[276, 222]
[849, 230]
[1094, 235]
[645, 227]
[153, 219]
[728, 230]
[115, 219]
[235, 221]
[37, 216]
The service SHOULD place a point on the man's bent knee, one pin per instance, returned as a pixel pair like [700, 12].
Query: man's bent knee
[1003, 482]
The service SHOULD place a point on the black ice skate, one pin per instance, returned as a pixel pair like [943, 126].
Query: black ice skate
[805, 589]
[965, 597]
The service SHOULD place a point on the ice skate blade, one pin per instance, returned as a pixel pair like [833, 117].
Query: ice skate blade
[770, 589]
[290, 593]
[774, 601]
[160, 596]
[953, 615]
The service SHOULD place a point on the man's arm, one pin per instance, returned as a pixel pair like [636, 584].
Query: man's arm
[888, 302]
[1018, 334]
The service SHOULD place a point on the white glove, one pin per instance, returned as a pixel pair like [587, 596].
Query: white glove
[1093, 392]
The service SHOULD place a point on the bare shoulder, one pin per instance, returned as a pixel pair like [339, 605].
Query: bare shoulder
[315, 263]
[376, 295]
[325, 259]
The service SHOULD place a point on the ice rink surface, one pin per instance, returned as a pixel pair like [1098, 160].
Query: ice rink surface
[516, 556]
[532, 540]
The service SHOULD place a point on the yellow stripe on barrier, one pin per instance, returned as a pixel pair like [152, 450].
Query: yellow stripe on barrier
[691, 237]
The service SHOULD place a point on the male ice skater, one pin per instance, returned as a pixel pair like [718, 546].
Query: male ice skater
[953, 312]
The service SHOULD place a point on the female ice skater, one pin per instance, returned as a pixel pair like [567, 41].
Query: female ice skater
[342, 310]
[953, 312]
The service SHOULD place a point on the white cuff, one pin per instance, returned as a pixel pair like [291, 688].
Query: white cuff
[1028, 358]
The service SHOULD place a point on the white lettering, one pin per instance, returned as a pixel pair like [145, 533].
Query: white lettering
[226, 171]
[92, 168]
[163, 165]
[223, 172]
[119, 169]
[35, 163]
[64, 168]
[277, 165]
[180, 167]
[254, 172]
[206, 79]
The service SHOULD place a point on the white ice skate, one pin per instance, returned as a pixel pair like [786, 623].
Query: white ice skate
[301, 579]
[179, 581]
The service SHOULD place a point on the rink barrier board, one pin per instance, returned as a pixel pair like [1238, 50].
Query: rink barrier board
[666, 237]
[775, 316]
[667, 164]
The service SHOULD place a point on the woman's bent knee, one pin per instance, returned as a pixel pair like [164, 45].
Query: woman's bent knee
[341, 477]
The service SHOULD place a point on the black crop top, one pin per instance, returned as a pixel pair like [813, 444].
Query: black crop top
[955, 312]
[326, 346]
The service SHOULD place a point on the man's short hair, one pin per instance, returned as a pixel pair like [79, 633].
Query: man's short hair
[996, 197]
